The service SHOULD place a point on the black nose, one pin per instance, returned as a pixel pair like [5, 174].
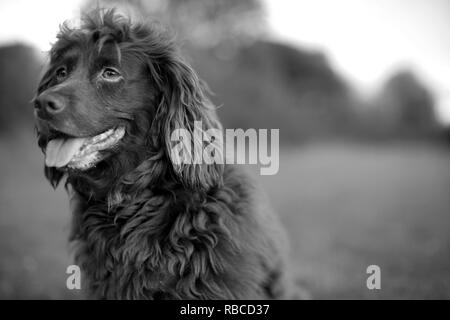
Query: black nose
[48, 104]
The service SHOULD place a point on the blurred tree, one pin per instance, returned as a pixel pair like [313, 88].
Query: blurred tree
[20, 68]
[273, 85]
[406, 106]
[205, 23]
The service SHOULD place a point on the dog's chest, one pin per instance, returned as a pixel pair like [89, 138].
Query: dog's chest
[123, 258]
[152, 249]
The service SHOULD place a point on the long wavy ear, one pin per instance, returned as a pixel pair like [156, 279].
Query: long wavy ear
[185, 112]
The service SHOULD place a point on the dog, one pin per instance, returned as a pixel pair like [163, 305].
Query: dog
[145, 226]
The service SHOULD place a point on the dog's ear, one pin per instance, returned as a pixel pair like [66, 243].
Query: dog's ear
[184, 106]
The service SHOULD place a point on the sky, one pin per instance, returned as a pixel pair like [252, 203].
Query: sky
[368, 40]
[365, 40]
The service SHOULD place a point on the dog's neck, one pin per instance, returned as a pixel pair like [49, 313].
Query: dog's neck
[115, 189]
[151, 179]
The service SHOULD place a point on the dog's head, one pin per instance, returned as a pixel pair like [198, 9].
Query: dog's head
[109, 100]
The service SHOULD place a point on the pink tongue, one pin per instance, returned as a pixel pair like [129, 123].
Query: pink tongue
[59, 152]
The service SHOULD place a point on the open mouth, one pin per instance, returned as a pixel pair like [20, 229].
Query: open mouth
[80, 153]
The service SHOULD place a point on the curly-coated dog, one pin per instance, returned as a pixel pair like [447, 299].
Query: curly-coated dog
[144, 226]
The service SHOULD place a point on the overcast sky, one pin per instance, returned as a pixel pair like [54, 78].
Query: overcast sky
[365, 40]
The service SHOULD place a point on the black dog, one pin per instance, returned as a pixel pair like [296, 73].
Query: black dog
[144, 226]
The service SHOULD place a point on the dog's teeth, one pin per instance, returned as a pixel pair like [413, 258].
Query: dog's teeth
[88, 155]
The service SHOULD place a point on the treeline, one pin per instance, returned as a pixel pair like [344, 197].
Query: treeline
[256, 83]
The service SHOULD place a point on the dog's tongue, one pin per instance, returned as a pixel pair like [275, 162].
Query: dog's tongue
[59, 152]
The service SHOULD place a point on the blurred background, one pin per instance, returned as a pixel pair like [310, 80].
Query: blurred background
[359, 90]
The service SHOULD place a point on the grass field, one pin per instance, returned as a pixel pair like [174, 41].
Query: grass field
[345, 206]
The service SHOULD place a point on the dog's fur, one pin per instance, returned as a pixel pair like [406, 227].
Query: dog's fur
[145, 227]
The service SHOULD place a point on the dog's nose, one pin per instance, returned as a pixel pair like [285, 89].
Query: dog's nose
[49, 104]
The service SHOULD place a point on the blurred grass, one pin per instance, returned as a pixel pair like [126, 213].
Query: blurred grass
[34, 225]
[345, 206]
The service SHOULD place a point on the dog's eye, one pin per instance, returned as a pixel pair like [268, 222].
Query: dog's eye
[61, 73]
[110, 74]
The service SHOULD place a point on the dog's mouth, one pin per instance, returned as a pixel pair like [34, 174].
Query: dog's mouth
[80, 153]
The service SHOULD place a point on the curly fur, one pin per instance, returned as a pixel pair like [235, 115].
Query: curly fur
[145, 228]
